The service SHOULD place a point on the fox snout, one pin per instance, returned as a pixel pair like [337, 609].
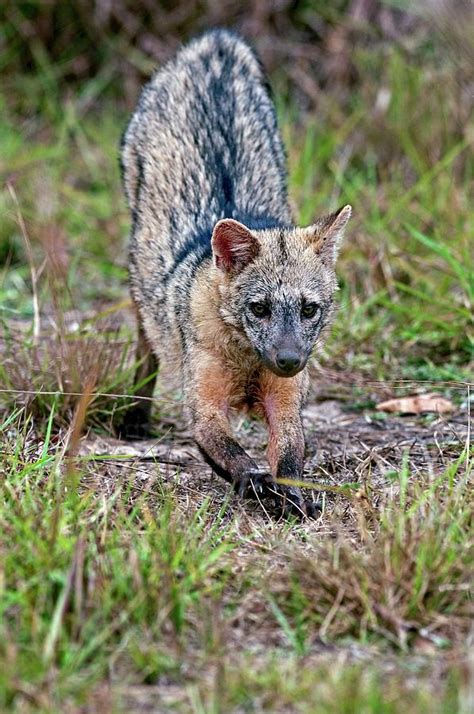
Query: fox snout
[287, 361]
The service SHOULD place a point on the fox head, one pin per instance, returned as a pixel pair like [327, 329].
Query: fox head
[277, 285]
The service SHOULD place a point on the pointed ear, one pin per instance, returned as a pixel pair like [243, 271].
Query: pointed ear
[326, 234]
[234, 246]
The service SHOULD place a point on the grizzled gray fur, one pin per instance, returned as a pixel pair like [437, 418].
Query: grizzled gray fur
[226, 288]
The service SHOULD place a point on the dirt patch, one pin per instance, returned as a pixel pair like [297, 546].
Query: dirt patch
[343, 445]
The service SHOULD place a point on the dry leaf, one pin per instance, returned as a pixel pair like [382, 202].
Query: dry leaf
[146, 449]
[418, 404]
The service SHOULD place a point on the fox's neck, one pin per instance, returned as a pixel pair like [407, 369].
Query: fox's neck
[215, 330]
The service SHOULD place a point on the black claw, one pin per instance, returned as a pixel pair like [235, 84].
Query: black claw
[243, 486]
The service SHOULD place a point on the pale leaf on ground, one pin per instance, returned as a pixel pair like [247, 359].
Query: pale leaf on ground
[418, 404]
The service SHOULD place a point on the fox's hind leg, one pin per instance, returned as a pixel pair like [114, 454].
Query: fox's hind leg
[136, 423]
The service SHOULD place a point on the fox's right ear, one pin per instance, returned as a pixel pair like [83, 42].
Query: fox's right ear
[326, 234]
[233, 245]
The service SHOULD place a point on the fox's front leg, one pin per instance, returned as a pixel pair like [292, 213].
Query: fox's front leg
[209, 391]
[282, 402]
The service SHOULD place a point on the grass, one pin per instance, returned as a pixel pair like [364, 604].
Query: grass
[91, 580]
[414, 542]
[138, 587]
[131, 585]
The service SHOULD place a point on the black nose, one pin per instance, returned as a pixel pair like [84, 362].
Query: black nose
[287, 360]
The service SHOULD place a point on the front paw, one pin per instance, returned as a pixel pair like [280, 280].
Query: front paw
[290, 501]
[253, 484]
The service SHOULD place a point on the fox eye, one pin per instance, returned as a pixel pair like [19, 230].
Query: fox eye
[310, 309]
[260, 309]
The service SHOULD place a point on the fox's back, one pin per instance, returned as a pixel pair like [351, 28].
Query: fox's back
[235, 306]
[202, 145]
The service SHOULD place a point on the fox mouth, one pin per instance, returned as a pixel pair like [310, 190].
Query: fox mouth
[286, 373]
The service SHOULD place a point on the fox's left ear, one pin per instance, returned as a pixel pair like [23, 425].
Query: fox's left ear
[234, 246]
[326, 234]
